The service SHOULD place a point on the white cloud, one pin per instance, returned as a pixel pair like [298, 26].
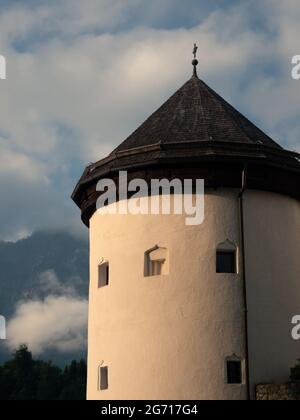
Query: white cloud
[16, 164]
[50, 284]
[57, 322]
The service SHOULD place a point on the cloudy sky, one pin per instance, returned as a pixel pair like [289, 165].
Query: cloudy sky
[57, 322]
[81, 75]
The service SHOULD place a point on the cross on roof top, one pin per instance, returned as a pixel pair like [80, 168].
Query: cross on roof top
[195, 62]
[195, 50]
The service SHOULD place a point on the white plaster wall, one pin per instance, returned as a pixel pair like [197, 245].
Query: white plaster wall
[165, 337]
[273, 277]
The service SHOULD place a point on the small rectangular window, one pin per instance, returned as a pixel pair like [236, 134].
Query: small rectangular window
[234, 372]
[103, 380]
[103, 275]
[156, 262]
[226, 262]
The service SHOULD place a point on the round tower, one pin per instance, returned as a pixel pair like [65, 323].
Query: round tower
[183, 312]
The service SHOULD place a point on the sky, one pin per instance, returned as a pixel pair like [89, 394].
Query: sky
[81, 76]
[57, 322]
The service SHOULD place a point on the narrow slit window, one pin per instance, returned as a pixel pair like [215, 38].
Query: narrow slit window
[103, 274]
[103, 378]
[226, 261]
[234, 372]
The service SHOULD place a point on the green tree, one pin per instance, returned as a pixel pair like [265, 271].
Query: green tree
[23, 378]
[295, 372]
[295, 380]
[74, 381]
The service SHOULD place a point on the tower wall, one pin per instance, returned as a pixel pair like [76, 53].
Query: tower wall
[165, 337]
[272, 231]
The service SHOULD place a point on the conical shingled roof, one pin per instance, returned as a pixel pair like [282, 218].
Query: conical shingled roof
[195, 113]
[195, 134]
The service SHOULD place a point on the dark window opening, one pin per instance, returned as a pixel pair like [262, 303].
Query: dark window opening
[103, 378]
[226, 262]
[234, 372]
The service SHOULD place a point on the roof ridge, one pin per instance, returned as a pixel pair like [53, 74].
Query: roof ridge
[159, 109]
[220, 101]
[209, 137]
[232, 112]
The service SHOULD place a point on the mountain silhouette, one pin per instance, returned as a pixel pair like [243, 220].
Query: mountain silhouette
[23, 264]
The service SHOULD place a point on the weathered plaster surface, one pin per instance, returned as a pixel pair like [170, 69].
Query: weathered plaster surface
[165, 337]
[273, 280]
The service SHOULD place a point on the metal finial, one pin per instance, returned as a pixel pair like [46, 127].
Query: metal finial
[195, 50]
[195, 62]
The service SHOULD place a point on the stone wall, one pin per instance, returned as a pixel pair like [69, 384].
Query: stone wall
[275, 393]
